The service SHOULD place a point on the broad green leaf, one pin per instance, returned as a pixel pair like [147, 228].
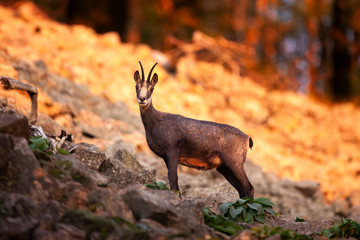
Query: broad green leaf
[232, 212]
[238, 211]
[224, 208]
[248, 216]
[160, 184]
[257, 207]
[270, 210]
[264, 202]
[242, 201]
[328, 233]
[260, 218]
[62, 151]
[219, 223]
[39, 143]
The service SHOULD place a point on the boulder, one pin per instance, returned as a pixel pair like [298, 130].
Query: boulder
[17, 175]
[6, 149]
[14, 124]
[128, 159]
[90, 155]
[308, 188]
[123, 175]
[165, 215]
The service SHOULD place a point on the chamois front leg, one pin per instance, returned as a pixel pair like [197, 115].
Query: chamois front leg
[172, 159]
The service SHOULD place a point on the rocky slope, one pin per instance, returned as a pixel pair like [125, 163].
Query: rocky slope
[85, 88]
[292, 133]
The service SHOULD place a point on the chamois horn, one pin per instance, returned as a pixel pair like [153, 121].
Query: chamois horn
[149, 76]
[142, 72]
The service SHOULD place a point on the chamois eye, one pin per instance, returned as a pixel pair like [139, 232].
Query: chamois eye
[137, 87]
[152, 89]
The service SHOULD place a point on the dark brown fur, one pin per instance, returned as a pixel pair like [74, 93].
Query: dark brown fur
[193, 143]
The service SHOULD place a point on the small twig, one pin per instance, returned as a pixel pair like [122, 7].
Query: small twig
[61, 142]
[71, 148]
[10, 83]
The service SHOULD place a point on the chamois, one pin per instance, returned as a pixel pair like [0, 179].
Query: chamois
[193, 143]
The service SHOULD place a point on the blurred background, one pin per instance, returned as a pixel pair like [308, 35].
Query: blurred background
[310, 46]
[285, 72]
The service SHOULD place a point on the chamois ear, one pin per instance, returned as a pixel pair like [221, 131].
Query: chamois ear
[137, 77]
[154, 79]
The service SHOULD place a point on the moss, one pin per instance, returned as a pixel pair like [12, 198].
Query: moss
[132, 231]
[66, 165]
[55, 172]
[89, 222]
[79, 177]
[94, 206]
[42, 156]
[4, 179]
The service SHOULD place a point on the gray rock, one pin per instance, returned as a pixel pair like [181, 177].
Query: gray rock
[81, 170]
[109, 201]
[111, 150]
[90, 155]
[18, 172]
[60, 231]
[166, 215]
[6, 149]
[128, 159]
[14, 124]
[124, 175]
[308, 188]
[151, 204]
[341, 208]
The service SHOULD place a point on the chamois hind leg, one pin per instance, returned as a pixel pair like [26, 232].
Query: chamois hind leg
[172, 158]
[236, 176]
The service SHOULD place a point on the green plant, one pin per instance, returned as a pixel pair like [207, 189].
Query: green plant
[347, 228]
[264, 232]
[247, 210]
[132, 231]
[157, 185]
[299, 219]
[220, 223]
[66, 165]
[62, 151]
[79, 177]
[38, 143]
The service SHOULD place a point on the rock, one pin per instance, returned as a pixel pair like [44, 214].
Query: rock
[128, 159]
[124, 175]
[155, 205]
[60, 231]
[166, 215]
[90, 155]
[6, 149]
[79, 171]
[14, 124]
[19, 216]
[111, 150]
[245, 235]
[108, 200]
[341, 208]
[308, 188]
[18, 173]
[95, 227]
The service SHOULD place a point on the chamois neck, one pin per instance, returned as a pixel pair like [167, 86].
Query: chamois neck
[148, 114]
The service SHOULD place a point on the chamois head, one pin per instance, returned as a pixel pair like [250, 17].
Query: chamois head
[144, 88]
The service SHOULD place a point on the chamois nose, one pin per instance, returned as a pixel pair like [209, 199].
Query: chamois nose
[142, 99]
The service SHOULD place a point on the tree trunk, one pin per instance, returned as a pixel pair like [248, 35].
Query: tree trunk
[340, 84]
